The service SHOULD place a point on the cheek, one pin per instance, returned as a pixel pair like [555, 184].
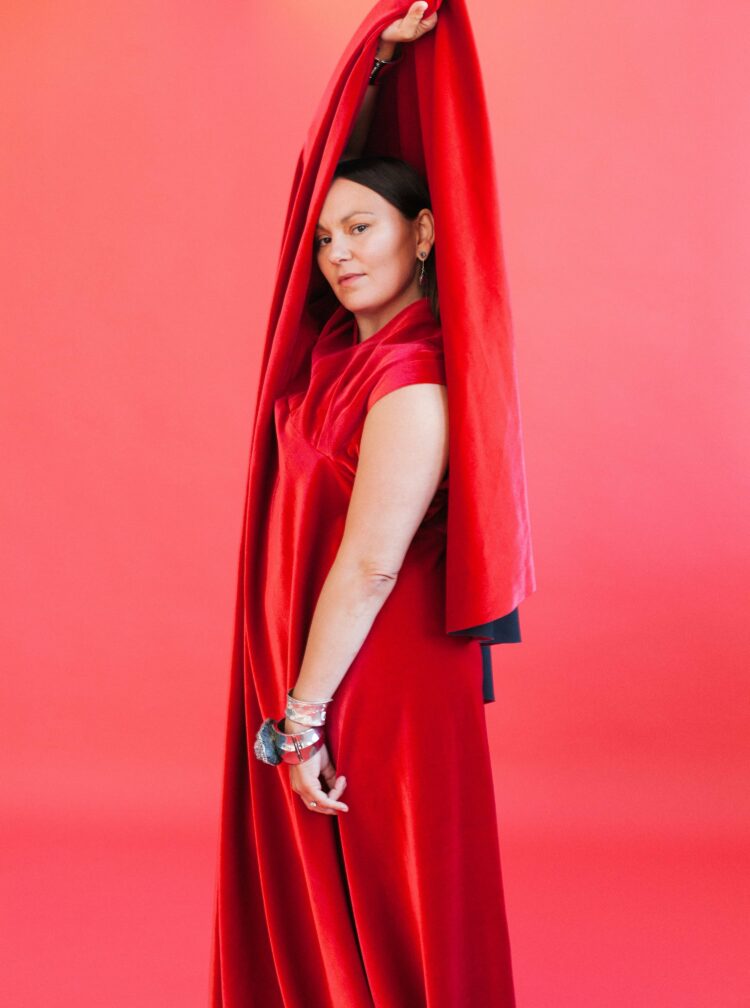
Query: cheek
[324, 263]
[386, 250]
[378, 245]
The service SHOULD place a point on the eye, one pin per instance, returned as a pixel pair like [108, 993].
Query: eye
[319, 241]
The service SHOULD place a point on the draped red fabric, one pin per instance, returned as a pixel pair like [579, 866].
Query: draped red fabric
[431, 112]
[303, 913]
[399, 900]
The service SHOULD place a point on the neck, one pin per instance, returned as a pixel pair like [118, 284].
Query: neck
[370, 322]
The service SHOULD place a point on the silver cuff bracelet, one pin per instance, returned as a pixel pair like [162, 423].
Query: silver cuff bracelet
[275, 746]
[306, 712]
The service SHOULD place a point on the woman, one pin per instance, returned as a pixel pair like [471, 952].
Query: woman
[359, 863]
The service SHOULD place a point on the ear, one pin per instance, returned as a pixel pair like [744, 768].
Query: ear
[425, 226]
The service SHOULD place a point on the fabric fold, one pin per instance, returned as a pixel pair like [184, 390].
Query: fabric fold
[431, 112]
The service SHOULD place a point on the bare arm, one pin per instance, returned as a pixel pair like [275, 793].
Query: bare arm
[402, 458]
[412, 26]
[358, 136]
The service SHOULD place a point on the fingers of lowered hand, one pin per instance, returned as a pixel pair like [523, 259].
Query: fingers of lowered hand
[324, 802]
[306, 783]
[334, 784]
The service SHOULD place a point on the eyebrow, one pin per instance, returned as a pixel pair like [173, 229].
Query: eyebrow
[319, 227]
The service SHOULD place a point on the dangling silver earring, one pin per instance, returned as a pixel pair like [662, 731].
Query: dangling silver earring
[421, 273]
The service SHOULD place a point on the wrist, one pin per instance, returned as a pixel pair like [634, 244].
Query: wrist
[385, 50]
[294, 727]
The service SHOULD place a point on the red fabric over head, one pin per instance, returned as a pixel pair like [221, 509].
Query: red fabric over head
[431, 112]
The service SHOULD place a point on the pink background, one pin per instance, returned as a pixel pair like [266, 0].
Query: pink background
[148, 152]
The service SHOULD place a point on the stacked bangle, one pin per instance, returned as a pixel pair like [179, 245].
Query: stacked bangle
[275, 746]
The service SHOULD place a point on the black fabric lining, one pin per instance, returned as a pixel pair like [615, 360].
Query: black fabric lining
[503, 630]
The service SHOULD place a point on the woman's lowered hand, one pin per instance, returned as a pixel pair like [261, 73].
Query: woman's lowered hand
[305, 781]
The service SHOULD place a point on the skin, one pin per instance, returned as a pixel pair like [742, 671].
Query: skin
[403, 453]
[361, 232]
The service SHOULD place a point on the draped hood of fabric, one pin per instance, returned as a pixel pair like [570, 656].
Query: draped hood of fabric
[431, 112]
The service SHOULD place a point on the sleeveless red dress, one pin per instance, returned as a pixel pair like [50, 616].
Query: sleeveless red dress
[399, 902]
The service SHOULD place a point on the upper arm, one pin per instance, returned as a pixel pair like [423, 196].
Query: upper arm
[403, 455]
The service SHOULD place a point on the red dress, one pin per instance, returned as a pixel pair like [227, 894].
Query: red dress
[397, 903]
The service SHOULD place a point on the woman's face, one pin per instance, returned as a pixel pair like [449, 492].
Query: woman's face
[361, 232]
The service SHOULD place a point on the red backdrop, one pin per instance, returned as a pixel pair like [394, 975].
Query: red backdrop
[148, 152]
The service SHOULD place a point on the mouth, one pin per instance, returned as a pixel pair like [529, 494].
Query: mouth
[348, 278]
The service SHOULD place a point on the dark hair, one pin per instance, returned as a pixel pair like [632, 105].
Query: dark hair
[403, 187]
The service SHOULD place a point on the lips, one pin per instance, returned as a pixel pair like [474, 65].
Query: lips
[350, 276]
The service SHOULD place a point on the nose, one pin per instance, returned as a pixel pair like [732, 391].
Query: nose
[338, 250]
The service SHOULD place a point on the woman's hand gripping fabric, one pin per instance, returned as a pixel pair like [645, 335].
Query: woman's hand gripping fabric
[411, 26]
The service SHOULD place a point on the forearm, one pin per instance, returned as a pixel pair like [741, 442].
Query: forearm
[344, 613]
[358, 136]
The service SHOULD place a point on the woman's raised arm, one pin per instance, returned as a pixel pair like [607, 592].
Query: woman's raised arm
[356, 142]
[406, 29]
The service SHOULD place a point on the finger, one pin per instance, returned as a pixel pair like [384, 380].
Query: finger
[328, 773]
[313, 805]
[331, 800]
[415, 19]
[411, 25]
[323, 803]
[337, 789]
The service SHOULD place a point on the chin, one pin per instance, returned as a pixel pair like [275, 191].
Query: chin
[364, 300]
[355, 299]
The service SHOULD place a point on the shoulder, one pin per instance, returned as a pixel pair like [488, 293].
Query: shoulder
[409, 360]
